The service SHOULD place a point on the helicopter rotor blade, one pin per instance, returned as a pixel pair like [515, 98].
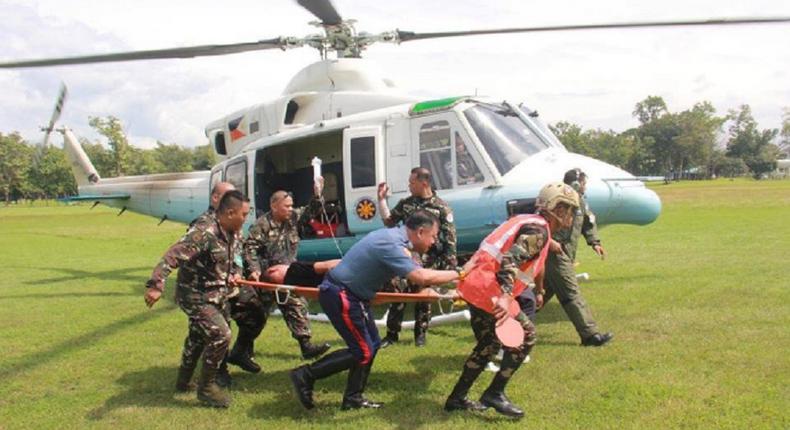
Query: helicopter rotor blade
[406, 36]
[56, 113]
[323, 10]
[155, 54]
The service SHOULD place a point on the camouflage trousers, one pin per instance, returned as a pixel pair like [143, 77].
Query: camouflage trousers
[560, 280]
[209, 331]
[483, 326]
[422, 310]
[251, 309]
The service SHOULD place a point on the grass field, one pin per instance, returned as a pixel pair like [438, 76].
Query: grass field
[699, 302]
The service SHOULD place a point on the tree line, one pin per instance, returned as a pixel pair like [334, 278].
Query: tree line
[29, 171]
[692, 143]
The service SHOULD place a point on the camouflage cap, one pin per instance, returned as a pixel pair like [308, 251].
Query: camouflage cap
[554, 193]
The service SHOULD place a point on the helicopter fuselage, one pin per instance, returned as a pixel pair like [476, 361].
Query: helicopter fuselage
[488, 161]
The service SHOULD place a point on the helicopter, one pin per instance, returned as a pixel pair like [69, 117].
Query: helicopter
[488, 157]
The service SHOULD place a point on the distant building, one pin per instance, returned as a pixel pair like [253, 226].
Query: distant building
[783, 168]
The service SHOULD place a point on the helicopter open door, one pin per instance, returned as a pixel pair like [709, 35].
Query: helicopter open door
[363, 153]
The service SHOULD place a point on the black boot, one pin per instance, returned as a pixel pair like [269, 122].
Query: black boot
[224, 379]
[304, 377]
[209, 392]
[353, 398]
[310, 350]
[390, 339]
[241, 354]
[184, 382]
[458, 400]
[419, 339]
[598, 339]
[494, 396]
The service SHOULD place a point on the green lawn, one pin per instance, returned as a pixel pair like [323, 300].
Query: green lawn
[699, 302]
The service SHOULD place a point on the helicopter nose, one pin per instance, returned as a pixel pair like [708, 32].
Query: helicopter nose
[614, 195]
[627, 201]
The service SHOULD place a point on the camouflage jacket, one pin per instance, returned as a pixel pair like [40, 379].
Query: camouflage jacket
[583, 224]
[204, 219]
[271, 242]
[527, 245]
[442, 254]
[205, 257]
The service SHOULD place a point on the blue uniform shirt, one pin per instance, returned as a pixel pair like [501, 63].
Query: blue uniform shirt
[374, 260]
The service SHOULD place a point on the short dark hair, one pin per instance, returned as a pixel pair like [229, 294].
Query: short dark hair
[231, 200]
[422, 174]
[574, 175]
[279, 195]
[421, 219]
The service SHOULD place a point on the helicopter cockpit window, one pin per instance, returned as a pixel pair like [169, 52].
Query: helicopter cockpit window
[504, 135]
[363, 161]
[236, 174]
[435, 153]
[465, 166]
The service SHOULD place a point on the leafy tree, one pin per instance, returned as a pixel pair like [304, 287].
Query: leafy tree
[15, 159]
[143, 162]
[749, 143]
[101, 157]
[650, 109]
[696, 141]
[111, 128]
[203, 157]
[784, 141]
[173, 158]
[571, 136]
[52, 175]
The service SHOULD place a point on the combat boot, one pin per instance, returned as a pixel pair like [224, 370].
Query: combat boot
[457, 401]
[304, 377]
[494, 397]
[310, 350]
[598, 339]
[390, 339]
[209, 392]
[419, 339]
[357, 380]
[184, 382]
[241, 355]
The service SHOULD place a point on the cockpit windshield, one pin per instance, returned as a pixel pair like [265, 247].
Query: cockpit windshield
[506, 138]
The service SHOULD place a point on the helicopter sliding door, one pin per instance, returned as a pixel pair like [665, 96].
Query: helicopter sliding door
[363, 153]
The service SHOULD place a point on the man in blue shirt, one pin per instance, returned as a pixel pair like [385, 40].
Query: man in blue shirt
[345, 296]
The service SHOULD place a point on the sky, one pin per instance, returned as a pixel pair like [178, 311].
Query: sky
[591, 78]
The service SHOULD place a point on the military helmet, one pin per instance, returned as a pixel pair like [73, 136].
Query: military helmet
[554, 193]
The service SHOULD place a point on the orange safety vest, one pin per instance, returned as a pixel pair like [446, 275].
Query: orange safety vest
[480, 284]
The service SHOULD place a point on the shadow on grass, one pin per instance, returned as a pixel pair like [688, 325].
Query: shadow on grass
[407, 389]
[122, 274]
[36, 359]
[67, 295]
[152, 387]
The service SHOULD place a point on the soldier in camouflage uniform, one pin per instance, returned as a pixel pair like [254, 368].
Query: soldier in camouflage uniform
[441, 256]
[560, 273]
[202, 221]
[272, 240]
[208, 259]
[557, 203]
